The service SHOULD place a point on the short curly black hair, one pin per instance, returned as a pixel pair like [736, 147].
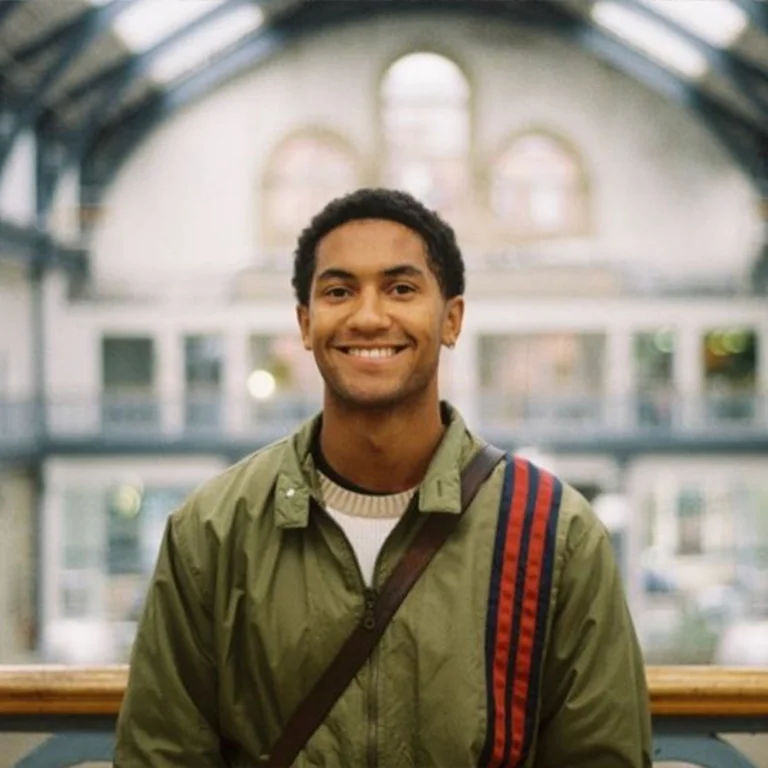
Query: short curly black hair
[393, 205]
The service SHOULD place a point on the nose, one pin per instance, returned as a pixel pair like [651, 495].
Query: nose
[369, 314]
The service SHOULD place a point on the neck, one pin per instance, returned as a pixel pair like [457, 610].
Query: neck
[381, 450]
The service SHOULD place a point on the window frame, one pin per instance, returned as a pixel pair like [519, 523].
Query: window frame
[273, 238]
[508, 226]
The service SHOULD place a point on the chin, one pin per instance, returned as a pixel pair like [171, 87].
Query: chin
[376, 400]
[367, 400]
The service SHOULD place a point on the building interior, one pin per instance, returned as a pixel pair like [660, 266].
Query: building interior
[604, 164]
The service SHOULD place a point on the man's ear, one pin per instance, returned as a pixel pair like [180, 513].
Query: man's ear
[302, 316]
[453, 318]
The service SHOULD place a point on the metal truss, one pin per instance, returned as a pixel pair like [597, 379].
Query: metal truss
[113, 82]
[7, 7]
[69, 41]
[757, 11]
[102, 140]
[745, 139]
[747, 78]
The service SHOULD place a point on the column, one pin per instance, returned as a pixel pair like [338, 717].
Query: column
[689, 377]
[169, 384]
[761, 374]
[761, 388]
[619, 380]
[235, 380]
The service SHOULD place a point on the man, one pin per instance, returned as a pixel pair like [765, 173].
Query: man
[514, 648]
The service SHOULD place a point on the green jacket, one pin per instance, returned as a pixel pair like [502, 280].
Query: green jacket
[515, 648]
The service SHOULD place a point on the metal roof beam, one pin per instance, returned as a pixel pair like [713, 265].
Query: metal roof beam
[747, 142]
[48, 161]
[57, 36]
[51, 39]
[87, 27]
[119, 138]
[135, 65]
[7, 7]
[114, 82]
[106, 155]
[747, 78]
[757, 11]
[124, 136]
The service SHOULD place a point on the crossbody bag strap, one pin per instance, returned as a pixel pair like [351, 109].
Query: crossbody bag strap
[359, 645]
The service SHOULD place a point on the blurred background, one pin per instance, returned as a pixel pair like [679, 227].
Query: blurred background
[604, 164]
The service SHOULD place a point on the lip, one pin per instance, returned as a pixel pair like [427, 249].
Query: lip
[371, 361]
[346, 347]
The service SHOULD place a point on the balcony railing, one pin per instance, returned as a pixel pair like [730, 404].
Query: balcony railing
[692, 707]
[143, 421]
[663, 412]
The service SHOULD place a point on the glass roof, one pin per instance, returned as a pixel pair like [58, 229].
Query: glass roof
[652, 37]
[192, 50]
[147, 22]
[719, 22]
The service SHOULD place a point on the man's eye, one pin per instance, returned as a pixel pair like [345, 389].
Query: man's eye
[401, 289]
[337, 293]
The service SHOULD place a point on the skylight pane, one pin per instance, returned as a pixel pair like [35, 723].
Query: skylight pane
[192, 50]
[149, 21]
[719, 22]
[651, 37]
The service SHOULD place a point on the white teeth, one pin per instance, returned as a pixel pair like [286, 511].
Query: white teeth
[384, 352]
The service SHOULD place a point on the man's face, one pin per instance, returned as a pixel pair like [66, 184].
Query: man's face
[376, 316]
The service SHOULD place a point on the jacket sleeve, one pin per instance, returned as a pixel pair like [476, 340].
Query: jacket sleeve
[169, 714]
[595, 710]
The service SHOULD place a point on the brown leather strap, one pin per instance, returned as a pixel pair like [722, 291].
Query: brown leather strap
[359, 645]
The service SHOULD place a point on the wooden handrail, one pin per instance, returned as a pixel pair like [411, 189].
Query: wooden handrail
[707, 691]
[682, 691]
[55, 690]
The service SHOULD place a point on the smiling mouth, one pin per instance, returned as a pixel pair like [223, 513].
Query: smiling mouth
[372, 353]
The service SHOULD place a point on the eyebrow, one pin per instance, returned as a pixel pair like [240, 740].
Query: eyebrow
[333, 273]
[401, 270]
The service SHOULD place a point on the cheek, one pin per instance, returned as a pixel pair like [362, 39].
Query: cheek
[423, 317]
[318, 329]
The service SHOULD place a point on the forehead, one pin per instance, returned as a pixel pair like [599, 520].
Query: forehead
[370, 245]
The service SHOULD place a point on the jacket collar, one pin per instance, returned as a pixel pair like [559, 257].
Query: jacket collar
[440, 491]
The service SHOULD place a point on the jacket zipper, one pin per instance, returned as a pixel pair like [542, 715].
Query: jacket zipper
[369, 622]
[369, 596]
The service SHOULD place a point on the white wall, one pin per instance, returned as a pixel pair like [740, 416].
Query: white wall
[665, 193]
[16, 374]
[17, 185]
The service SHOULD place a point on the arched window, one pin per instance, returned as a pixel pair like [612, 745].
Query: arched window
[538, 188]
[425, 115]
[305, 172]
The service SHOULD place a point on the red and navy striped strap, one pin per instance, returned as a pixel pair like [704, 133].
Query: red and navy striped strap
[518, 606]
